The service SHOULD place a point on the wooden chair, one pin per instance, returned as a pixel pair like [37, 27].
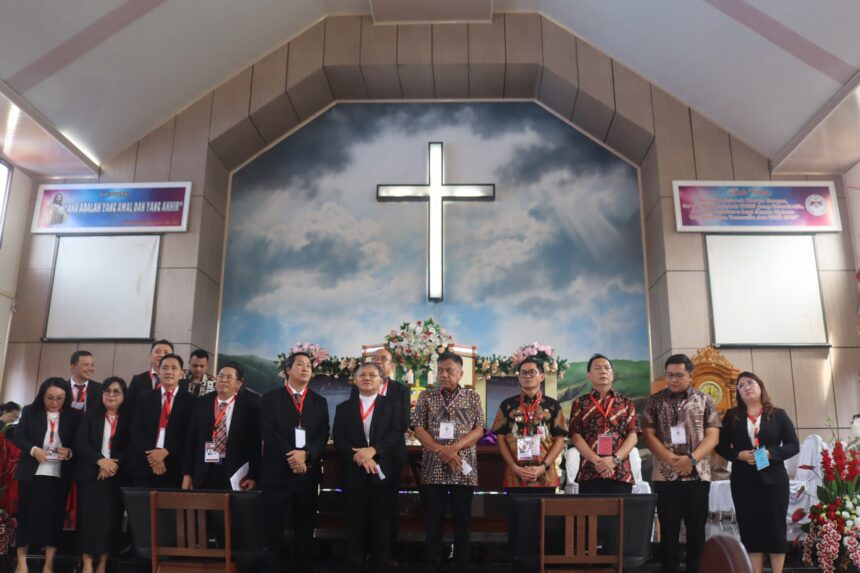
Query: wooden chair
[191, 538]
[580, 532]
[724, 554]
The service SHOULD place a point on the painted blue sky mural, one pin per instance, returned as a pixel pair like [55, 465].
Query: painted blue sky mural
[557, 257]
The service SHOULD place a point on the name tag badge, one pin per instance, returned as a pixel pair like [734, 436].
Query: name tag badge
[524, 449]
[536, 446]
[679, 435]
[78, 405]
[300, 438]
[467, 469]
[52, 454]
[541, 432]
[446, 430]
[210, 454]
[604, 445]
[761, 461]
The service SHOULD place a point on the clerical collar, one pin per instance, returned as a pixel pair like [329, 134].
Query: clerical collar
[366, 400]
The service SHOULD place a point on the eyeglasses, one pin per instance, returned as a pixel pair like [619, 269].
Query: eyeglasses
[746, 384]
[676, 376]
[529, 373]
[112, 391]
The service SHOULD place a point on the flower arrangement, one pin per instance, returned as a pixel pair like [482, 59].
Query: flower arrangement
[317, 353]
[494, 365]
[416, 345]
[833, 521]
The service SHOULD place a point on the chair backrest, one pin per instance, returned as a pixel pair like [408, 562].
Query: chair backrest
[580, 530]
[636, 465]
[571, 464]
[810, 455]
[724, 554]
[191, 537]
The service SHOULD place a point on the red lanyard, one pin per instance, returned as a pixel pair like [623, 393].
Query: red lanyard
[153, 379]
[53, 424]
[365, 413]
[165, 409]
[220, 415]
[299, 405]
[604, 413]
[384, 390]
[756, 426]
[112, 429]
[82, 394]
[529, 412]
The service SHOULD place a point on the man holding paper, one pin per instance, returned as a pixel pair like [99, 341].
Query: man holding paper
[368, 433]
[448, 421]
[223, 445]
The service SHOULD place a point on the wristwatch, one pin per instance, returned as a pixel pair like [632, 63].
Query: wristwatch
[617, 460]
[693, 461]
[545, 465]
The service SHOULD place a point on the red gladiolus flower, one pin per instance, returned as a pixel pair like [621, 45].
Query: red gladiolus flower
[797, 515]
[827, 466]
[839, 459]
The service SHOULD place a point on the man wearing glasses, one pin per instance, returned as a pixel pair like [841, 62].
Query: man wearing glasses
[531, 432]
[681, 428]
[604, 428]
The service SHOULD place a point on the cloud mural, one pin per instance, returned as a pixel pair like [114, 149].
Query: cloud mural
[557, 257]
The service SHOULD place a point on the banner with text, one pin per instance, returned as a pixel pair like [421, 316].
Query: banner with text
[112, 208]
[756, 207]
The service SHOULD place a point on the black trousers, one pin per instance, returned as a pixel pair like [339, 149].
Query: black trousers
[300, 501]
[677, 500]
[607, 486]
[368, 524]
[435, 505]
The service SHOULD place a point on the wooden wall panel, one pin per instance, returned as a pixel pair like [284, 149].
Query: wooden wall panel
[689, 320]
[632, 129]
[175, 305]
[342, 56]
[103, 354]
[271, 110]
[834, 251]
[131, 358]
[658, 310]
[211, 240]
[415, 60]
[559, 81]
[684, 251]
[649, 174]
[217, 182]
[153, 154]
[190, 144]
[205, 301]
[379, 60]
[713, 150]
[307, 85]
[120, 169]
[846, 389]
[54, 360]
[595, 103]
[451, 60]
[673, 140]
[232, 134]
[655, 249]
[179, 250]
[740, 357]
[749, 164]
[839, 292]
[773, 365]
[487, 58]
[523, 50]
[21, 375]
[31, 306]
[813, 388]
[38, 250]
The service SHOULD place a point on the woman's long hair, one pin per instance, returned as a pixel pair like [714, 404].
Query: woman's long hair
[100, 405]
[39, 401]
[766, 404]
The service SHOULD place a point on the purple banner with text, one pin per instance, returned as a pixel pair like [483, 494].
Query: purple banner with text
[112, 208]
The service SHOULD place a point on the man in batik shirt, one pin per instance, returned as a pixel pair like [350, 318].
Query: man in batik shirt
[531, 432]
[604, 428]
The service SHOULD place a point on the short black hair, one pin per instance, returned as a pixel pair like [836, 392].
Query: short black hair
[371, 365]
[595, 357]
[680, 359]
[199, 353]
[239, 374]
[174, 356]
[291, 359]
[10, 407]
[77, 355]
[448, 355]
[531, 360]
[162, 341]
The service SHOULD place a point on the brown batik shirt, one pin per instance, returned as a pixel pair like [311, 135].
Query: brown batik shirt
[464, 410]
[587, 420]
[519, 417]
[696, 412]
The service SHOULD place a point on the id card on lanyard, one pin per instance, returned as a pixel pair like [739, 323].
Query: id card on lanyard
[605, 440]
[446, 429]
[759, 451]
[300, 436]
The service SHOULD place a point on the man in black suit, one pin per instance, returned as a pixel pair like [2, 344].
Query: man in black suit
[86, 393]
[160, 428]
[294, 427]
[224, 436]
[145, 382]
[368, 436]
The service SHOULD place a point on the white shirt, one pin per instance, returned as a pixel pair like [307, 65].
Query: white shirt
[74, 384]
[106, 438]
[229, 415]
[752, 427]
[51, 467]
[367, 402]
[163, 431]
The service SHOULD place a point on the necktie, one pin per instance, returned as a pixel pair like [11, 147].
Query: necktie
[156, 383]
[221, 430]
[80, 396]
[165, 409]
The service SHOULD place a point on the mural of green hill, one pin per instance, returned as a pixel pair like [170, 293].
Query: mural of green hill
[632, 378]
[261, 374]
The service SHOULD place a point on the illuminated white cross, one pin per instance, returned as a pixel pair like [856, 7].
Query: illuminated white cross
[436, 192]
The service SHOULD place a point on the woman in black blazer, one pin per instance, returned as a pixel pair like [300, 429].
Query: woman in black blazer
[102, 447]
[45, 436]
[760, 494]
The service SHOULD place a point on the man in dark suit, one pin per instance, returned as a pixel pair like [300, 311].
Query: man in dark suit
[223, 436]
[86, 393]
[145, 382]
[160, 428]
[368, 437]
[294, 427]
